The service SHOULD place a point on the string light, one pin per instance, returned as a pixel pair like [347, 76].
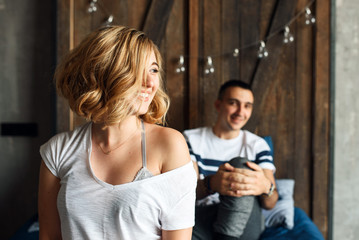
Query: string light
[92, 8]
[236, 52]
[209, 68]
[309, 18]
[262, 52]
[109, 20]
[180, 68]
[288, 37]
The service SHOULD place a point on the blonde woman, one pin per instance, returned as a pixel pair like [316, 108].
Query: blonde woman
[121, 175]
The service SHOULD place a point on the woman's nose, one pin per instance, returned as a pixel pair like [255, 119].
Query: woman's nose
[148, 83]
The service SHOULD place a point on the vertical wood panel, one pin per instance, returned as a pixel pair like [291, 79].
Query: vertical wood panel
[230, 39]
[83, 25]
[249, 34]
[136, 13]
[120, 12]
[303, 114]
[193, 84]
[278, 114]
[268, 66]
[64, 9]
[175, 40]
[267, 8]
[211, 40]
[286, 113]
[321, 119]
[156, 20]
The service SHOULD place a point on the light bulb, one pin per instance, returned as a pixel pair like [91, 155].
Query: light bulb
[262, 52]
[309, 18]
[92, 8]
[209, 66]
[236, 52]
[288, 37]
[109, 20]
[180, 68]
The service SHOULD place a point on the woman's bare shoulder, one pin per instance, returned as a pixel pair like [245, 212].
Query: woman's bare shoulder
[171, 145]
[163, 133]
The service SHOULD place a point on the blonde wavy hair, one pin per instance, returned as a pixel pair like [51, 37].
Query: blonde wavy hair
[102, 77]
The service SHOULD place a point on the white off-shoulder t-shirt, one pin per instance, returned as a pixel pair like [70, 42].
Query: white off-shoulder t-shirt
[92, 209]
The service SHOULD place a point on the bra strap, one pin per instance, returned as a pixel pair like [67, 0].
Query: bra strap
[143, 144]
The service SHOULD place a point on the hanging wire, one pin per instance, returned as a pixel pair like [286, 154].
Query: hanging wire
[274, 33]
[291, 21]
[262, 51]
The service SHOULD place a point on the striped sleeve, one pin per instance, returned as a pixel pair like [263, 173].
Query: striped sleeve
[264, 156]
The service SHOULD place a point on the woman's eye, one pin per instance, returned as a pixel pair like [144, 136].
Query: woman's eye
[154, 70]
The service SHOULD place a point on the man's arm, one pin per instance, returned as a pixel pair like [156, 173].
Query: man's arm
[202, 186]
[238, 182]
[200, 190]
[218, 182]
[268, 202]
[257, 182]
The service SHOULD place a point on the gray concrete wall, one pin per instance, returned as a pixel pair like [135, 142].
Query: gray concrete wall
[346, 121]
[27, 59]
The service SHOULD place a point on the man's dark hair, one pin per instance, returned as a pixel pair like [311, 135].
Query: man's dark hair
[232, 83]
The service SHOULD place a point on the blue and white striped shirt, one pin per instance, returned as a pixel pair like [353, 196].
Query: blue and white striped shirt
[210, 151]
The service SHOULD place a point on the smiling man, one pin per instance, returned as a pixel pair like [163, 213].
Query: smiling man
[230, 195]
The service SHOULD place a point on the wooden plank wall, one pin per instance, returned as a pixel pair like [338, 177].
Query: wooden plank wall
[291, 86]
[321, 121]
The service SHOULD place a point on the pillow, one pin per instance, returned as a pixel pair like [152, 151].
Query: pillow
[283, 212]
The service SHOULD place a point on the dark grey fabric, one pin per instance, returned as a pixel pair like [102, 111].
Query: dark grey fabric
[232, 218]
[204, 219]
[206, 216]
[233, 214]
